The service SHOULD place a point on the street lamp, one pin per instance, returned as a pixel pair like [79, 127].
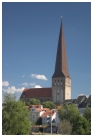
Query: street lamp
[51, 124]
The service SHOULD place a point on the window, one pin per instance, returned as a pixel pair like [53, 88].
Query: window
[33, 109]
[61, 82]
[58, 93]
[55, 82]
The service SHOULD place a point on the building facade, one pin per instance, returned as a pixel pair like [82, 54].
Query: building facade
[61, 80]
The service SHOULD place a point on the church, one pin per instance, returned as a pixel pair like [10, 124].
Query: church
[61, 80]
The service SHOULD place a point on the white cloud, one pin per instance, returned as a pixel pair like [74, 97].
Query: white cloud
[25, 84]
[23, 76]
[32, 84]
[13, 89]
[81, 95]
[5, 83]
[38, 86]
[42, 77]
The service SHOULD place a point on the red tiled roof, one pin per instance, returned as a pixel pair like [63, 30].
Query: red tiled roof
[37, 92]
[46, 113]
[49, 112]
[39, 109]
[46, 109]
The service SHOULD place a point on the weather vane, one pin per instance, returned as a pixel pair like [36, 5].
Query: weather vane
[61, 16]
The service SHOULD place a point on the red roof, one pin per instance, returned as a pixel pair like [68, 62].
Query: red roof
[48, 113]
[37, 92]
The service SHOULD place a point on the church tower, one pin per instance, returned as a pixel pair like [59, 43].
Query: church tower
[61, 81]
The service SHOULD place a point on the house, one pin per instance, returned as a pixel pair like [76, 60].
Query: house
[88, 101]
[35, 112]
[69, 101]
[82, 105]
[48, 117]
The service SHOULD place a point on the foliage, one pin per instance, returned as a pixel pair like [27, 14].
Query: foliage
[80, 125]
[49, 104]
[33, 101]
[15, 117]
[39, 121]
[87, 113]
[65, 128]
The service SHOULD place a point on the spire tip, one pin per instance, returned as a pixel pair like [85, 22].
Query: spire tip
[61, 16]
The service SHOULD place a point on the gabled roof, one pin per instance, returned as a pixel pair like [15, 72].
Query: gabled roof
[88, 99]
[46, 109]
[80, 99]
[36, 92]
[69, 101]
[38, 109]
[48, 113]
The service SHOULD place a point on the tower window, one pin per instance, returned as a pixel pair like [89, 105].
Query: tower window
[58, 93]
[58, 82]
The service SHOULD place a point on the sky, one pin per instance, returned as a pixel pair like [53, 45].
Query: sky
[30, 34]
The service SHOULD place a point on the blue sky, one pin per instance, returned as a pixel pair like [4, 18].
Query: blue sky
[30, 34]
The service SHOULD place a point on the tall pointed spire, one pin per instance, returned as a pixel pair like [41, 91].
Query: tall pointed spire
[61, 66]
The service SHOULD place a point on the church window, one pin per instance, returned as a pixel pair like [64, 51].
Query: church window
[58, 93]
[61, 82]
[58, 82]
[55, 82]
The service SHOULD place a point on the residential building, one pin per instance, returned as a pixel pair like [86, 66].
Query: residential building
[35, 112]
[48, 117]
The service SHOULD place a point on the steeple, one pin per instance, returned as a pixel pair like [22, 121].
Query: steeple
[61, 65]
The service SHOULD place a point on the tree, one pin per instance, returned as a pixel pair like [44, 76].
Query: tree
[49, 104]
[65, 127]
[39, 121]
[15, 117]
[80, 125]
[33, 101]
[87, 113]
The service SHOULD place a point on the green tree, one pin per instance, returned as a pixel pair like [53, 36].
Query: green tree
[39, 121]
[65, 127]
[33, 101]
[49, 104]
[80, 125]
[15, 117]
[87, 113]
